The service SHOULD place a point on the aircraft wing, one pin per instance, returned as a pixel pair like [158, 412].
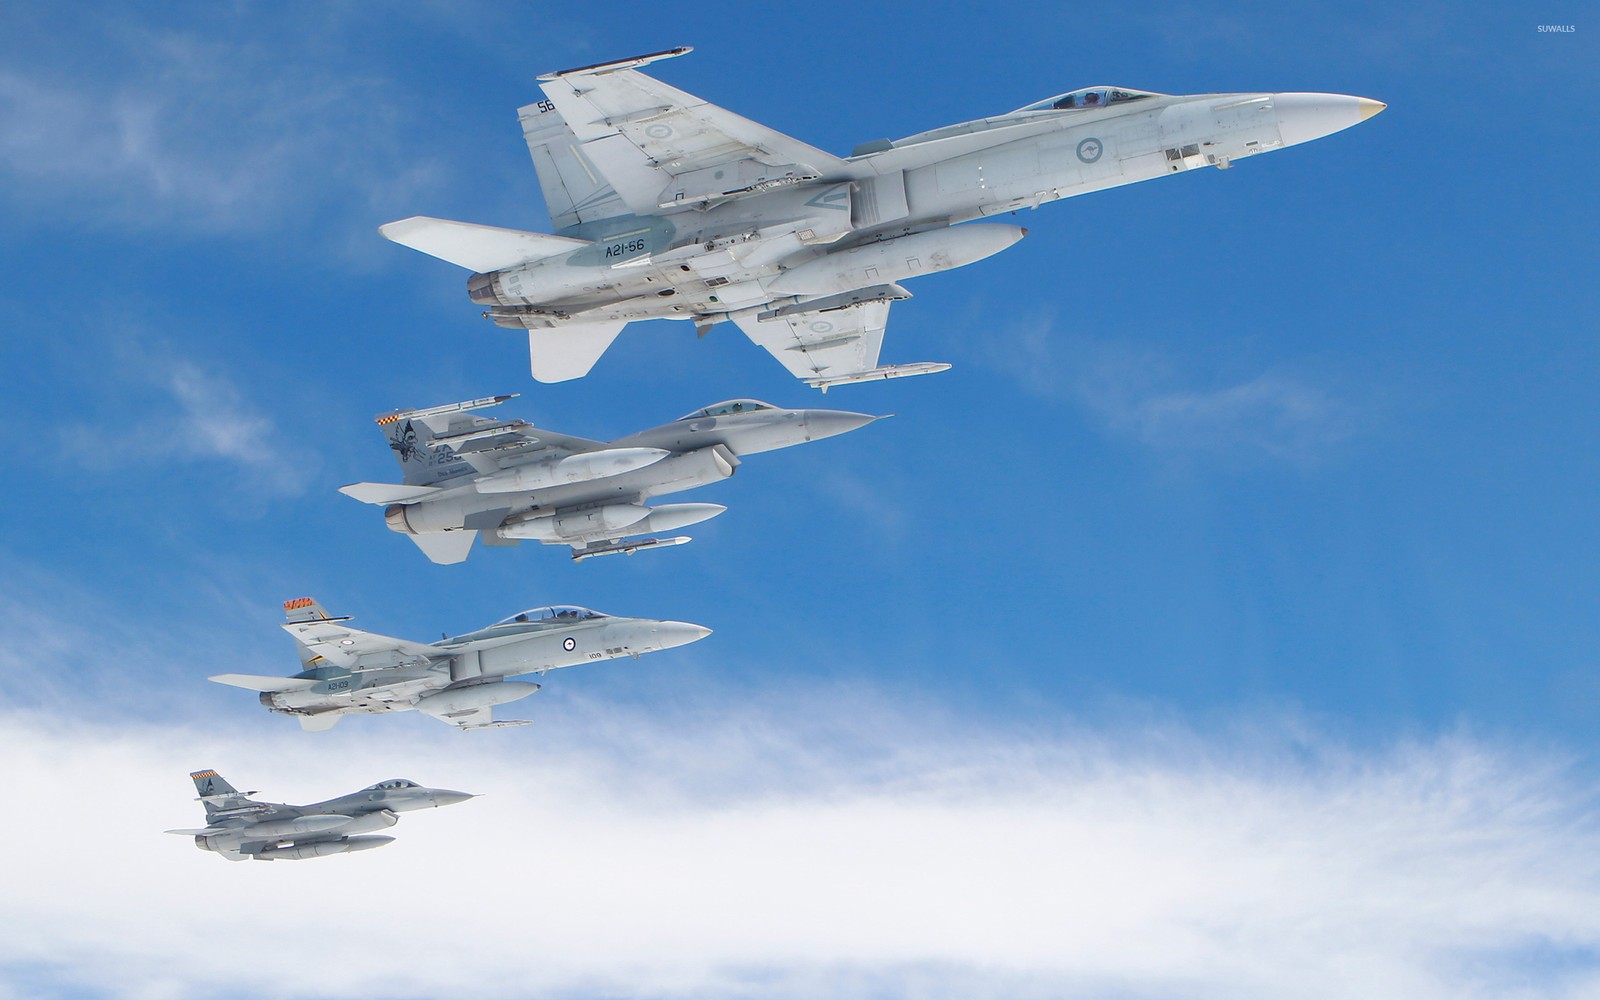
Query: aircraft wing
[823, 345]
[342, 646]
[485, 444]
[479, 718]
[660, 147]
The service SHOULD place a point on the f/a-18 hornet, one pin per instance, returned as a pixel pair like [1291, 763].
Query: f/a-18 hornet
[242, 829]
[460, 680]
[668, 207]
[505, 480]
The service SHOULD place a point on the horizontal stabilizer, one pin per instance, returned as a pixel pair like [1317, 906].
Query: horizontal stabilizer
[446, 547]
[563, 353]
[477, 248]
[252, 682]
[386, 493]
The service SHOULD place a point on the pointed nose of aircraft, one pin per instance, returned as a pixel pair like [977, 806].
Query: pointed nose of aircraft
[1303, 117]
[446, 797]
[670, 634]
[826, 423]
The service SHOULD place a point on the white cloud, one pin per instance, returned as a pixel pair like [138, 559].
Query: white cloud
[1271, 413]
[1147, 395]
[172, 129]
[206, 418]
[789, 848]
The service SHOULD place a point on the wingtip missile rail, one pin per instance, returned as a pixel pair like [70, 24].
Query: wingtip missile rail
[435, 411]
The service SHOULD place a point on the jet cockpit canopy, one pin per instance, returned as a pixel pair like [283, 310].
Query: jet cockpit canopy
[1088, 97]
[728, 408]
[392, 784]
[550, 616]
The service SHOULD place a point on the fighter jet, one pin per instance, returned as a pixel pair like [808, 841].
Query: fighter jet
[241, 829]
[669, 207]
[505, 480]
[460, 680]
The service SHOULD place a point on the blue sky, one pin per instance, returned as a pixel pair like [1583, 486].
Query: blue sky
[1279, 479]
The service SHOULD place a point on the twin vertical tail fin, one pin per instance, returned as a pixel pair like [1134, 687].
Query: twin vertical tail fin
[305, 609]
[574, 191]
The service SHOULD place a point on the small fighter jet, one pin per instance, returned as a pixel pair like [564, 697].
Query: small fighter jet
[505, 480]
[460, 680]
[667, 207]
[242, 829]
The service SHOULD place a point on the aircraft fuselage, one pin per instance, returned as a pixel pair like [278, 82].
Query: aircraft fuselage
[892, 210]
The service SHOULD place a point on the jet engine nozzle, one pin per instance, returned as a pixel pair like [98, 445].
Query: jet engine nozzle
[394, 516]
[484, 290]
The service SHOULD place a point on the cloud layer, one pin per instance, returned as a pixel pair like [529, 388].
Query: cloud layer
[788, 846]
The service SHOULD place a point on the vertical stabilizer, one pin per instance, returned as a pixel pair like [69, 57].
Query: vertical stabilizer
[563, 353]
[209, 782]
[574, 190]
[305, 609]
[216, 794]
[415, 438]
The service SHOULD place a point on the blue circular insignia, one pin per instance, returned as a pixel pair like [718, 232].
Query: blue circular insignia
[569, 644]
[1090, 149]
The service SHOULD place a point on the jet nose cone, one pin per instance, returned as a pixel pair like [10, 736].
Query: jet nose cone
[446, 797]
[827, 423]
[670, 634]
[1303, 117]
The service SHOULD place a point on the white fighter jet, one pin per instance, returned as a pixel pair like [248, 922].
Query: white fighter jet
[505, 480]
[348, 672]
[669, 207]
[242, 829]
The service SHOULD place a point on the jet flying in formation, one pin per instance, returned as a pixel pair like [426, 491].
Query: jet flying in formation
[505, 480]
[666, 206]
[460, 680]
[242, 829]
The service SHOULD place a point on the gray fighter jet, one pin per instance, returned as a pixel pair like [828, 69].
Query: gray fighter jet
[460, 680]
[669, 207]
[241, 829]
[505, 480]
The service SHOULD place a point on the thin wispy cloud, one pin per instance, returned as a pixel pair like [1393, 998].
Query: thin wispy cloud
[203, 134]
[202, 416]
[1149, 397]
